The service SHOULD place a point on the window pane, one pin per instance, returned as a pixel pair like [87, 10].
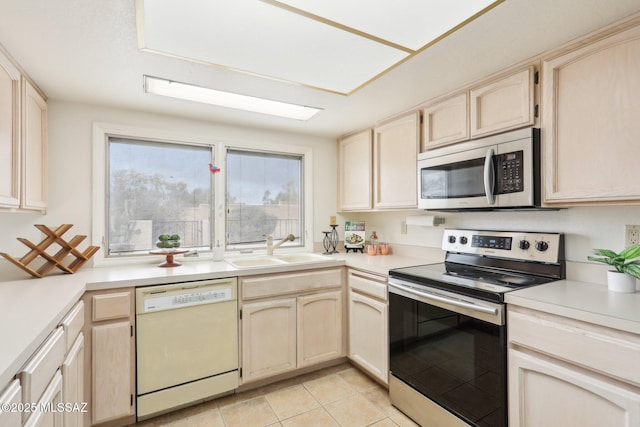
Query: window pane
[263, 197]
[157, 188]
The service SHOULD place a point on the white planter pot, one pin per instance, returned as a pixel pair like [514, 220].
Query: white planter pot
[621, 282]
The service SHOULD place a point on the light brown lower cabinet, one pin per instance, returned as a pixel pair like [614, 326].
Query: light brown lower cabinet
[564, 372]
[268, 338]
[73, 383]
[319, 321]
[110, 356]
[290, 321]
[51, 399]
[12, 395]
[368, 323]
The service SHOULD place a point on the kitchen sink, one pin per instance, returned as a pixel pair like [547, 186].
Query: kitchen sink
[263, 261]
[296, 258]
[274, 260]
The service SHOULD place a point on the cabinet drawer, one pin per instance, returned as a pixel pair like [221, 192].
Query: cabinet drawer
[368, 284]
[282, 284]
[612, 352]
[111, 306]
[11, 396]
[72, 324]
[42, 366]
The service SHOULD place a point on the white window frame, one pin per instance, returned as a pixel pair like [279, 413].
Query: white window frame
[101, 134]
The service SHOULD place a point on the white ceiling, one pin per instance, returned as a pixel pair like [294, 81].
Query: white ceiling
[315, 43]
[87, 51]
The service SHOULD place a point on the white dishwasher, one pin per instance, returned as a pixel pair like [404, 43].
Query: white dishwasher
[186, 344]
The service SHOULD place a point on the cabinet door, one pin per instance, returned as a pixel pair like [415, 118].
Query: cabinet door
[354, 172]
[112, 369]
[395, 151]
[445, 122]
[268, 338]
[544, 392]
[319, 328]
[505, 104]
[9, 134]
[368, 334]
[11, 396]
[590, 121]
[73, 382]
[34, 148]
[51, 400]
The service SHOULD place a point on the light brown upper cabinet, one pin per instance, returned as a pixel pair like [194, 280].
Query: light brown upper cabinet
[9, 134]
[395, 151]
[591, 118]
[34, 148]
[445, 121]
[355, 160]
[503, 104]
[23, 141]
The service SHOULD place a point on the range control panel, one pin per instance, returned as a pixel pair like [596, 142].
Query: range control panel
[520, 245]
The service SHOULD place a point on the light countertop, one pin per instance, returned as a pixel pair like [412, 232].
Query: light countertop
[588, 302]
[30, 309]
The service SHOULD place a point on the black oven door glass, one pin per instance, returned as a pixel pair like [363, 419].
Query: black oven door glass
[454, 180]
[456, 361]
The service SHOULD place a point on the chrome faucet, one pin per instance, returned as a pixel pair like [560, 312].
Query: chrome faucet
[271, 246]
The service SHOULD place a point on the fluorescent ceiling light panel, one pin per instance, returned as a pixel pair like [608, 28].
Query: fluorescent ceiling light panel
[190, 92]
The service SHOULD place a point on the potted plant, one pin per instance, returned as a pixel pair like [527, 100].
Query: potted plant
[627, 267]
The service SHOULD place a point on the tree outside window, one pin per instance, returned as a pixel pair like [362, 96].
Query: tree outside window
[263, 198]
[157, 188]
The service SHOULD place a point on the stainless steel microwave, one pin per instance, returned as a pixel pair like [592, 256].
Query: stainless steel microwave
[497, 172]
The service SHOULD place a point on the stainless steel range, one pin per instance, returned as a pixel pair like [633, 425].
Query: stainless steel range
[447, 329]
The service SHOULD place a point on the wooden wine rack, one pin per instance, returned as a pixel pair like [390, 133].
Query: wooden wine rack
[56, 260]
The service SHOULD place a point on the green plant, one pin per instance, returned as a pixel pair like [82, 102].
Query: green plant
[624, 262]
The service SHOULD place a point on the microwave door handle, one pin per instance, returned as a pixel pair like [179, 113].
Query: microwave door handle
[489, 175]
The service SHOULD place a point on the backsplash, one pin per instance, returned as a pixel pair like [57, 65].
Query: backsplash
[585, 228]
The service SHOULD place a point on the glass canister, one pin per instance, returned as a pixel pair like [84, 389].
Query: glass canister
[372, 247]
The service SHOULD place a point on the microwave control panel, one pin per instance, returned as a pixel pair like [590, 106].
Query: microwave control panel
[510, 172]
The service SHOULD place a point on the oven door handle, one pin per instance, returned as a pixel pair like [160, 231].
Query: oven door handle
[446, 300]
[489, 174]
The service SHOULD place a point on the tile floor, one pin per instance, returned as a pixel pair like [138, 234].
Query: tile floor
[340, 396]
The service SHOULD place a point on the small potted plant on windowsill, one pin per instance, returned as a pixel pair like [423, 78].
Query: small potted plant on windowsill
[627, 267]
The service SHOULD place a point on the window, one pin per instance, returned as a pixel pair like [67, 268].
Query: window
[157, 188]
[148, 182]
[264, 197]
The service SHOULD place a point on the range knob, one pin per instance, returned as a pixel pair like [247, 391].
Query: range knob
[524, 244]
[452, 239]
[463, 240]
[542, 246]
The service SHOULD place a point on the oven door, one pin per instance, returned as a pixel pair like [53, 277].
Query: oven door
[450, 349]
[458, 180]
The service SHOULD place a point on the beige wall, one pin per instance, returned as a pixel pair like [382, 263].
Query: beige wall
[70, 174]
[70, 167]
[585, 228]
